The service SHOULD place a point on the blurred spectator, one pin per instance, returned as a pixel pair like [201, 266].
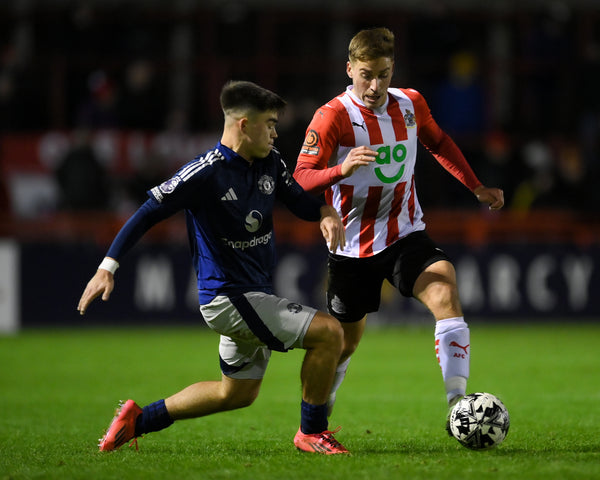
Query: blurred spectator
[558, 177]
[173, 143]
[499, 162]
[5, 206]
[569, 188]
[459, 108]
[82, 180]
[589, 111]
[291, 128]
[142, 100]
[150, 173]
[589, 141]
[20, 93]
[99, 109]
[8, 102]
[459, 105]
[546, 53]
[536, 157]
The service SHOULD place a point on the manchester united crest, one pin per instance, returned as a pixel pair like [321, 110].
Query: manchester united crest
[266, 184]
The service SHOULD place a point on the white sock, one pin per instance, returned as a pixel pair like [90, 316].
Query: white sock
[455, 388]
[340, 374]
[452, 348]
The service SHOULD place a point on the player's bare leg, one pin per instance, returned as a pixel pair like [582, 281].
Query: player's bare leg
[197, 400]
[437, 289]
[353, 333]
[323, 343]
[205, 398]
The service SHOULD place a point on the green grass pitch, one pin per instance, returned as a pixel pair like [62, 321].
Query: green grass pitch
[58, 390]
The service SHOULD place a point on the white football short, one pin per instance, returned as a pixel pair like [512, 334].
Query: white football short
[253, 324]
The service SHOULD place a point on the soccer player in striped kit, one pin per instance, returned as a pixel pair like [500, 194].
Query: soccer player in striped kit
[360, 150]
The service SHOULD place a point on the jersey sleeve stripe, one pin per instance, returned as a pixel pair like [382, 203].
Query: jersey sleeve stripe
[194, 167]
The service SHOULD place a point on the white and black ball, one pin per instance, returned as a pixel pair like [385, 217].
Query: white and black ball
[479, 421]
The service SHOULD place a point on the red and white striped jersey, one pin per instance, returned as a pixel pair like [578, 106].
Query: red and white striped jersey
[378, 204]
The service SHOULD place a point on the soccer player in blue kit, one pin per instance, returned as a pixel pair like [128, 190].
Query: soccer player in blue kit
[228, 194]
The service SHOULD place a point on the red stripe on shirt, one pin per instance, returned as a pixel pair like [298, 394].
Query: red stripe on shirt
[411, 202]
[346, 192]
[346, 136]
[375, 135]
[392, 225]
[397, 119]
[367, 222]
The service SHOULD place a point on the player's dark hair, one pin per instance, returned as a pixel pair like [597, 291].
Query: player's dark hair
[242, 95]
[371, 44]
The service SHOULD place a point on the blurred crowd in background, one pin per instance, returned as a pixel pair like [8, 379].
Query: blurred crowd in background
[516, 84]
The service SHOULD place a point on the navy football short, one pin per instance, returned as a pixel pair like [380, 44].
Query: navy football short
[354, 284]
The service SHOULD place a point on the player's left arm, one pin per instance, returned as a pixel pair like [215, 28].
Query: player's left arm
[494, 197]
[447, 153]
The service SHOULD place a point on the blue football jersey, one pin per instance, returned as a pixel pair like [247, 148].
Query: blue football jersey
[228, 204]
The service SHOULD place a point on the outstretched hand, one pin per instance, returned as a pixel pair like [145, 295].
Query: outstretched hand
[494, 197]
[102, 283]
[332, 228]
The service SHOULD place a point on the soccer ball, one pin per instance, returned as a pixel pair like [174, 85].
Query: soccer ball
[479, 421]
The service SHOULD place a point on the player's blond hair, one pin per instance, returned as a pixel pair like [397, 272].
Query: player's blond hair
[371, 44]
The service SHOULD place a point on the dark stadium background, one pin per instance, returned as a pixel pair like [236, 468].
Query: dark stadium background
[134, 86]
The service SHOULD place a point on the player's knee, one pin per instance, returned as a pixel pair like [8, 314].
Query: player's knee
[349, 347]
[246, 400]
[242, 398]
[328, 332]
[448, 294]
[442, 299]
[335, 333]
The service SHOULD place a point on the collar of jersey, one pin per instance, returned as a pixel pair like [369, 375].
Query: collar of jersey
[232, 156]
[378, 111]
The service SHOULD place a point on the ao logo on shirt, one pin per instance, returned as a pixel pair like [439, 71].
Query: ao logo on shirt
[385, 156]
[253, 221]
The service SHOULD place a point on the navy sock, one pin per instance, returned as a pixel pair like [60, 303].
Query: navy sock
[154, 417]
[313, 418]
